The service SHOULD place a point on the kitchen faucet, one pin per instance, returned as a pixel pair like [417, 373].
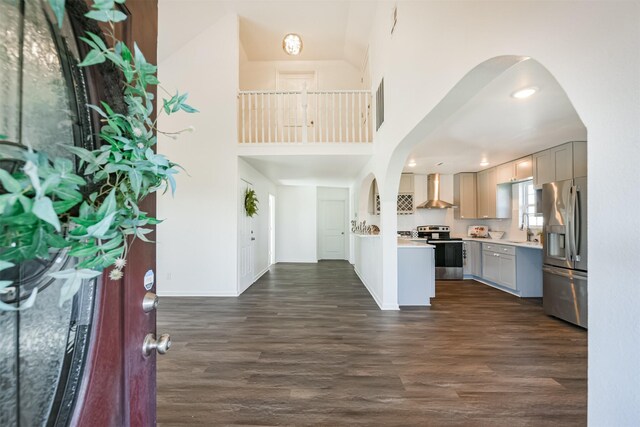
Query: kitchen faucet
[525, 220]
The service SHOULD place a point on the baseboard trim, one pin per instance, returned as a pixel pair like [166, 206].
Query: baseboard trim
[373, 295]
[495, 285]
[197, 294]
[255, 279]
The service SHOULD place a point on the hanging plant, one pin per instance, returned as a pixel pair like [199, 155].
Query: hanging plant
[45, 206]
[250, 202]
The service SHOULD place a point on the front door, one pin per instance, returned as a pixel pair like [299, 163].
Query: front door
[246, 240]
[332, 229]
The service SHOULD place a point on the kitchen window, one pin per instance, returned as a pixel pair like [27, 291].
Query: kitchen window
[527, 196]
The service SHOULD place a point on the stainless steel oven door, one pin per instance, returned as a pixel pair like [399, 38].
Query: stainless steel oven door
[448, 259]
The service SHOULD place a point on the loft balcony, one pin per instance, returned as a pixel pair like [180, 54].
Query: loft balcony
[288, 118]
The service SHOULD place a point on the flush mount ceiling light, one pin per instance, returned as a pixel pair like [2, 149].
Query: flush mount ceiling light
[412, 163]
[484, 163]
[292, 44]
[524, 93]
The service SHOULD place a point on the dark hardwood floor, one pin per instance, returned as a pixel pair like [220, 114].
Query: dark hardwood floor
[307, 345]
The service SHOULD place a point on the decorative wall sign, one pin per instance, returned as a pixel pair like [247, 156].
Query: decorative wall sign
[149, 280]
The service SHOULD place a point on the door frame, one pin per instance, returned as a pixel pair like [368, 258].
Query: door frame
[320, 230]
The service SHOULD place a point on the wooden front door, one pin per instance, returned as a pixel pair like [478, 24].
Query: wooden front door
[120, 380]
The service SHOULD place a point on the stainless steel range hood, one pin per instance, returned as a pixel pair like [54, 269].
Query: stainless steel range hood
[433, 194]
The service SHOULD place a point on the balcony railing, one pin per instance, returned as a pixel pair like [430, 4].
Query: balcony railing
[339, 116]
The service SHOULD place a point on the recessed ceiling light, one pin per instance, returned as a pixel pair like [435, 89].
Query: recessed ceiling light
[292, 44]
[412, 164]
[524, 93]
[484, 163]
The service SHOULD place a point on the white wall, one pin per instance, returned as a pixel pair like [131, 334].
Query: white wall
[196, 251]
[593, 49]
[296, 215]
[330, 75]
[263, 186]
[335, 193]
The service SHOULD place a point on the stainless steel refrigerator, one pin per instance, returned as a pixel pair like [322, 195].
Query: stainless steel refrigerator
[564, 206]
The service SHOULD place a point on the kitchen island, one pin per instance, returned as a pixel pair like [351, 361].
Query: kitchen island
[416, 272]
[416, 269]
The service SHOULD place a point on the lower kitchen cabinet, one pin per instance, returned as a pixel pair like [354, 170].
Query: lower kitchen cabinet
[472, 265]
[515, 269]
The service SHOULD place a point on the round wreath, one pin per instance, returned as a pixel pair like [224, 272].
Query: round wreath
[250, 202]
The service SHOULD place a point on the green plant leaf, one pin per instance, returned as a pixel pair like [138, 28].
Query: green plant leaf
[100, 229]
[83, 154]
[136, 181]
[58, 9]
[43, 209]
[72, 281]
[9, 182]
[93, 57]
[106, 15]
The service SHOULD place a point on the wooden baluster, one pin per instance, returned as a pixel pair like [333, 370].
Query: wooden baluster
[243, 120]
[269, 114]
[359, 116]
[316, 119]
[340, 115]
[304, 101]
[353, 117]
[250, 130]
[367, 115]
[333, 116]
[262, 115]
[295, 119]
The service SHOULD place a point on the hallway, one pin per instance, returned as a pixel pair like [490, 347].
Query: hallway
[307, 345]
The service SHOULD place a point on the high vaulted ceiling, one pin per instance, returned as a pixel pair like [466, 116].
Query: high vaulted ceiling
[497, 127]
[329, 29]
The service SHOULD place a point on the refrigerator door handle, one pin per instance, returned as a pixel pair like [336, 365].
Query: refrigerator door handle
[571, 222]
[577, 228]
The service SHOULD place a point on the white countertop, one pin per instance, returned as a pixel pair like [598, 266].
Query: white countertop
[365, 235]
[530, 245]
[413, 244]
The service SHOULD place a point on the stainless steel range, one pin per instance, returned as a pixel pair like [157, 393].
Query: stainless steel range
[448, 252]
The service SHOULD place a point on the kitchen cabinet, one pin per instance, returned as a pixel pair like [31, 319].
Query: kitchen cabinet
[543, 168]
[559, 163]
[494, 201]
[517, 270]
[405, 201]
[504, 173]
[464, 195]
[523, 168]
[515, 171]
[406, 183]
[499, 264]
[562, 158]
[472, 265]
[579, 159]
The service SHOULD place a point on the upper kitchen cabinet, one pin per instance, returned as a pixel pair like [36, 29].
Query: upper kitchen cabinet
[464, 195]
[515, 171]
[562, 156]
[579, 159]
[494, 201]
[559, 163]
[406, 183]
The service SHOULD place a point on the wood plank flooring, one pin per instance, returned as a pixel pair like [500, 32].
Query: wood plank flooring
[307, 345]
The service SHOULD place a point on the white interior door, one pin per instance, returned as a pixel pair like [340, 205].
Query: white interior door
[246, 242]
[332, 229]
[291, 112]
[272, 229]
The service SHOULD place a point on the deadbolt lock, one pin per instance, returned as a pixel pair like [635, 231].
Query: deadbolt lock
[149, 302]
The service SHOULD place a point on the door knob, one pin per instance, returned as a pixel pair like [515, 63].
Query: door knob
[149, 302]
[161, 345]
